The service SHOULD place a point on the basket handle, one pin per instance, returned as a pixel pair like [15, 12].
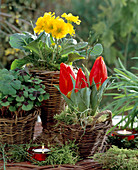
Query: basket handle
[108, 112]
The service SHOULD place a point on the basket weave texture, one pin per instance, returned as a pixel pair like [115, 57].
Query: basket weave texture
[90, 140]
[55, 104]
[20, 131]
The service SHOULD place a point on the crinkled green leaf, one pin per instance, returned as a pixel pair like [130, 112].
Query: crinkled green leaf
[81, 45]
[20, 40]
[97, 50]
[16, 84]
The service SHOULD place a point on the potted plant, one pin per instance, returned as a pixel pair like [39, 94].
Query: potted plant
[20, 98]
[51, 44]
[82, 121]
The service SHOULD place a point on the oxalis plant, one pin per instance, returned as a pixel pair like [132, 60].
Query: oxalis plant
[82, 93]
[19, 93]
[52, 43]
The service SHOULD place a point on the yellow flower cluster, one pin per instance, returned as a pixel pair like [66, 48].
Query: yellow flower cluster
[56, 25]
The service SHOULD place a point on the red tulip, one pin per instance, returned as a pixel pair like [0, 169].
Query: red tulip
[98, 72]
[80, 80]
[65, 81]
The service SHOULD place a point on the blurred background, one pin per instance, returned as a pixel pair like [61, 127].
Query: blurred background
[113, 23]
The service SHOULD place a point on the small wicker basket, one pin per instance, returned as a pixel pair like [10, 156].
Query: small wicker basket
[55, 104]
[90, 140]
[18, 131]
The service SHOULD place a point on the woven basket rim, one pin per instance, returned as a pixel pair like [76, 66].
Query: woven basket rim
[21, 119]
[78, 127]
[44, 71]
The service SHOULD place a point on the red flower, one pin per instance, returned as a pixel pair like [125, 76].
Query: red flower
[80, 80]
[98, 72]
[65, 82]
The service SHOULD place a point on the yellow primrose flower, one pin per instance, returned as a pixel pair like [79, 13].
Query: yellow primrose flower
[43, 24]
[60, 29]
[39, 25]
[49, 25]
[71, 30]
[70, 18]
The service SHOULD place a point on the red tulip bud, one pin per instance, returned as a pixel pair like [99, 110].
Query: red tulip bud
[65, 82]
[98, 72]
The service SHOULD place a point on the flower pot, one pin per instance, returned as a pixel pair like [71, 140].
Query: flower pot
[90, 140]
[55, 104]
[18, 131]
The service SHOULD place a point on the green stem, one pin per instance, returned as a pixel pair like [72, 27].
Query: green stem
[4, 160]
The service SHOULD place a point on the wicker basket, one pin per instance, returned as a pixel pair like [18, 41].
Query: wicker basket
[19, 132]
[55, 104]
[93, 139]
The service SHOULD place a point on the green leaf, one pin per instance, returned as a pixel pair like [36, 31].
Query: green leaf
[8, 90]
[18, 63]
[34, 47]
[94, 102]
[97, 50]
[73, 56]
[16, 84]
[81, 99]
[12, 108]
[40, 98]
[103, 88]
[68, 101]
[25, 93]
[27, 107]
[19, 99]
[19, 41]
[5, 103]
[10, 99]
[87, 73]
[67, 50]
[46, 96]
[81, 45]
[32, 97]
[19, 104]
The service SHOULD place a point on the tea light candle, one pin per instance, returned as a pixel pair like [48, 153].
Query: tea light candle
[124, 134]
[40, 153]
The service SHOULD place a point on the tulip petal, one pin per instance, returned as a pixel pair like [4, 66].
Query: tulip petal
[81, 81]
[65, 81]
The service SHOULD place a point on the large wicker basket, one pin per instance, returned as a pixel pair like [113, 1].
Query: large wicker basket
[55, 104]
[90, 140]
[18, 131]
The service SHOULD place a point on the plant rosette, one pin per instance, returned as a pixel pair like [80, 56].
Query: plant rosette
[52, 43]
[82, 93]
[19, 93]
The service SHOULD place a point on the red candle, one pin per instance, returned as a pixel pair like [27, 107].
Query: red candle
[39, 154]
[124, 134]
